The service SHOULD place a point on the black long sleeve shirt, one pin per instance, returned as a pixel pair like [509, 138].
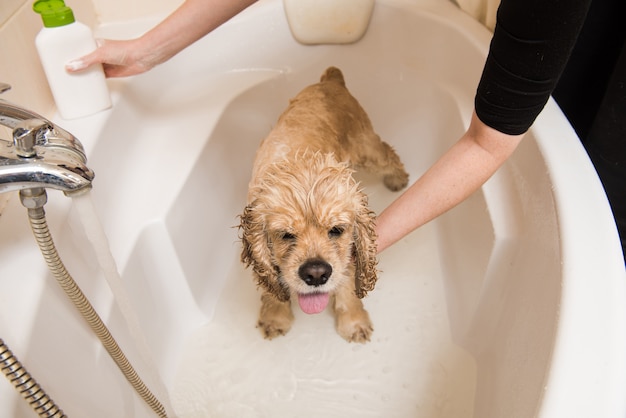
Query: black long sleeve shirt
[530, 47]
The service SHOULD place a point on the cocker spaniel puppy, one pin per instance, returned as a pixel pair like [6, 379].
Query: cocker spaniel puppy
[307, 230]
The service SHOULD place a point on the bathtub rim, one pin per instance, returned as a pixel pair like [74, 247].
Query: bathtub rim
[569, 378]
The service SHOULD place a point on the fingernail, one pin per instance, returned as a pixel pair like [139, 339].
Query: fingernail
[75, 65]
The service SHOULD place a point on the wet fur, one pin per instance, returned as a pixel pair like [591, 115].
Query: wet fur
[304, 204]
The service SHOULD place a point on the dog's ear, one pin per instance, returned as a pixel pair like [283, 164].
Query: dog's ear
[366, 273]
[256, 252]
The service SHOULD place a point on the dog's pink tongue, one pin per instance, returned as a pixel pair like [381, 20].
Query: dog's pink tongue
[313, 303]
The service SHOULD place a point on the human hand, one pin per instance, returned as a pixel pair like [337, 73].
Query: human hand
[118, 59]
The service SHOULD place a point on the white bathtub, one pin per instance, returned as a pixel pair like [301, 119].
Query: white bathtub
[511, 305]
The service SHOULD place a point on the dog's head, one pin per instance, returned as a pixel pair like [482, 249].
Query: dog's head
[308, 230]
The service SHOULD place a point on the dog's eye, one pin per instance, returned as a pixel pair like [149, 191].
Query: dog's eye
[287, 236]
[335, 232]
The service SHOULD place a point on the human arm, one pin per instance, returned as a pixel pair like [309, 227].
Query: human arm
[531, 44]
[457, 174]
[190, 22]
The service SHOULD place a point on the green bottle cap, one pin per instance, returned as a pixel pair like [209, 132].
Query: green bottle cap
[54, 13]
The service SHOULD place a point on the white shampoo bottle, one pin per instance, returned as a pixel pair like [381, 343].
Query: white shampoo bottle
[61, 40]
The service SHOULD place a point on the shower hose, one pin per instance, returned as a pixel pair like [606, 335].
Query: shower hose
[39, 226]
[28, 387]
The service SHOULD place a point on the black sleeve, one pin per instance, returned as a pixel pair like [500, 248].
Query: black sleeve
[531, 44]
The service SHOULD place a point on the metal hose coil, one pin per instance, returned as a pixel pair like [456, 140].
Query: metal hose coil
[39, 226]
[26, 385]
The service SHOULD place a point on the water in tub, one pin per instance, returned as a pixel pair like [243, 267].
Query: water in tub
[410, 368]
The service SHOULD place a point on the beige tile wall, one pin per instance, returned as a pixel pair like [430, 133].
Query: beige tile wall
[482, 10]
[8, 8]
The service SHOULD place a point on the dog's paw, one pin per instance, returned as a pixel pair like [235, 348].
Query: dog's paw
[395, 182]
[355, 328]
[275, 318]
[274, 328]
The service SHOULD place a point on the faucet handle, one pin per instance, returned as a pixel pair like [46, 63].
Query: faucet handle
[28, 133]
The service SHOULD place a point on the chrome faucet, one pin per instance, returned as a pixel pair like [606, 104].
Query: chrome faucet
[41, 153]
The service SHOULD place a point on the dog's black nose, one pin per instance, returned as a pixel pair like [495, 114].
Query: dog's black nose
[315, 272]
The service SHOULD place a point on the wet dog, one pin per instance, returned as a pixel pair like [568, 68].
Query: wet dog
[307, 231]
